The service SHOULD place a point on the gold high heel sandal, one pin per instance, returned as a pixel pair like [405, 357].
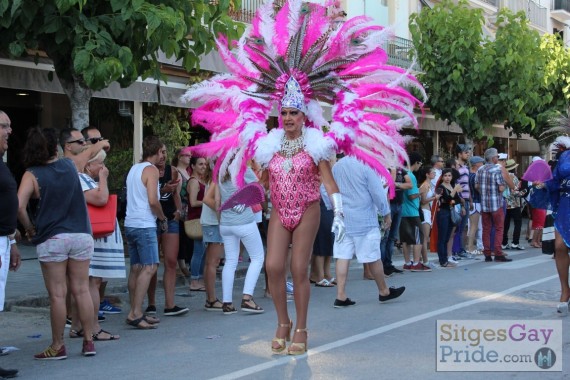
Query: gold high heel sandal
[281, 341]
[298, 348]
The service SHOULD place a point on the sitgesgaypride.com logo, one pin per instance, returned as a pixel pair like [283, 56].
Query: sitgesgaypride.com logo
[499, 345]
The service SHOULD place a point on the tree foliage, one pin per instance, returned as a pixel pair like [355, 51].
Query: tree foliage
[95, 42]
[475, 81]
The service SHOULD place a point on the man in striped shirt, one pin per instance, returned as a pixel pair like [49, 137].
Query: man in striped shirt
[463, 152]
[490, 184]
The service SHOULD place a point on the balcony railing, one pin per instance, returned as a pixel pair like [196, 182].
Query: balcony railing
[536, 13]
[560, 5]
[492, 2]
[398, 50]
[248, 9]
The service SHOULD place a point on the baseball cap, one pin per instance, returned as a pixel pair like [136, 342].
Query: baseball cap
[476, 159]
[503, 156]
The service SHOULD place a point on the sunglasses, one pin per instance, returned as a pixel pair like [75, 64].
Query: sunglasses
[80, 142]
[95, 140]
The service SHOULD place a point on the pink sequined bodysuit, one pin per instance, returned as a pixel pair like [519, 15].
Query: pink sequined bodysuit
[293, 191]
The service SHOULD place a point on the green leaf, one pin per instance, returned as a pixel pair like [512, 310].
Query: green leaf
[16, 4]
[64, 5]
[81, 60]
[16, 48]
[117, 5]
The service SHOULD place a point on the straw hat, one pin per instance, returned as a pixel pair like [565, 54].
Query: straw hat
[511, 165]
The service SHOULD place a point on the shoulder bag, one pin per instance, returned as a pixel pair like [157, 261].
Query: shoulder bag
[193, 229]
[103, 218]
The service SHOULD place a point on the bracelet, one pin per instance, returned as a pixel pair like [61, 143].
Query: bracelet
[12, 241]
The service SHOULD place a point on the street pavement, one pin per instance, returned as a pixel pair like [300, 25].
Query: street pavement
[394, 340]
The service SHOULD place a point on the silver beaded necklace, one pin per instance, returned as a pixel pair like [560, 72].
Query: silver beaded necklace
[290, 147]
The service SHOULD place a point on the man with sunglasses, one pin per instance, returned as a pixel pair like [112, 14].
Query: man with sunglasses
[437, 164]
[9, 254]
[92, 135]
[75, 147]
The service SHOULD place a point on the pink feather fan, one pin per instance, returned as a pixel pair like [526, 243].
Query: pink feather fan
[249, 195]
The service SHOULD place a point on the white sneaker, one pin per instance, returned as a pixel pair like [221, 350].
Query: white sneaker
[430, 265]
[452, 259]
[508, 246]
[518, 247]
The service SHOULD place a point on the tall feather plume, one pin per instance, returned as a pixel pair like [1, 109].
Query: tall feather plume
[344, 66]
[317, 24]
[282, 33]
[267, 25]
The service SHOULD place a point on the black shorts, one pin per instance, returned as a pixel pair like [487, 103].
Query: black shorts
[411, 231]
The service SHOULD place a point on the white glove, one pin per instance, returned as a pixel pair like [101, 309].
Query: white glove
[239, 208]
[338, 221]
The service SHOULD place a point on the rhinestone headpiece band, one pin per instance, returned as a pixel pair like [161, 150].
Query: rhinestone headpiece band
[294, 97]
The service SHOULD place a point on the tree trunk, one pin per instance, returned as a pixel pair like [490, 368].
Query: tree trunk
[544, 153]
[79, 97]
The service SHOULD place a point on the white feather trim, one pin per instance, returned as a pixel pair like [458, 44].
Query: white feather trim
[267, 146]
[318, 146]
[316, 115]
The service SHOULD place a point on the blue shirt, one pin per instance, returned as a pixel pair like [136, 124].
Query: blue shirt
[363, 195]
[411, 207]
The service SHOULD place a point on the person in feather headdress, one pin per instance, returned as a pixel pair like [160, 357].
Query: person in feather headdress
[296, 60]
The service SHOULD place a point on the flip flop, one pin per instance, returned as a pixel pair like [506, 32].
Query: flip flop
[76, 333]
[111, 336]
[202, 289]
[150, 319]
[137, 323]
[324, 283]
[333, 281]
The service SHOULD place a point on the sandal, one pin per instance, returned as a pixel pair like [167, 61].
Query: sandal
[298, 348]
[333, 281]
[151, 320]
[228, 308]
[111, 336]
[281, 341]
[138, 323]
[215, 305]
[76, 333]
[249, 305]
[324, 283]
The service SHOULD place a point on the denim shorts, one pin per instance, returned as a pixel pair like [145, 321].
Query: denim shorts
[60, 247]
[143, 245]
[173, 227]
[211, 234]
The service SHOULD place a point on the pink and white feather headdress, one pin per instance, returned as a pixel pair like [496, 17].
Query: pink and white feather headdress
[343, 66]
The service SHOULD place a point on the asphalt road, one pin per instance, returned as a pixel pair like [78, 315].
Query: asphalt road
[395, 340]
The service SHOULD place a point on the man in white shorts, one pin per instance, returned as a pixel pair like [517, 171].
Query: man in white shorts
[364, 198]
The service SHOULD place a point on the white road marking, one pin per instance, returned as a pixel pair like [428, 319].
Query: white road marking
[366, 335]
[518, 264]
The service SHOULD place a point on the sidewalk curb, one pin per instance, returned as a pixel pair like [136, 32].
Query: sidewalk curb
[41, 301]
